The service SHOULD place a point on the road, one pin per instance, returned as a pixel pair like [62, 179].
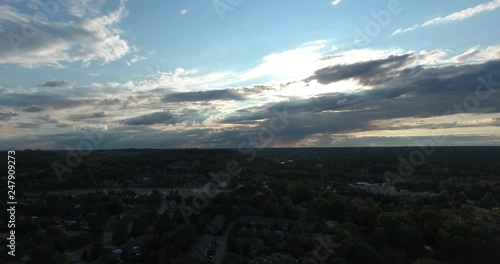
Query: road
[220, 253]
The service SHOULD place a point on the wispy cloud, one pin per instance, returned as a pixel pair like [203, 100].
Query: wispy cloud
[135, 59]
[183, 11]
[457, 16]
[336, 2]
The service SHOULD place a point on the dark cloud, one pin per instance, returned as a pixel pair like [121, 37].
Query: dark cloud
[329, 57]
[80, 117]
[108, 102]
[373, 72]
[186, 116]
[33, 109]
[203, 96]
[27, 125]
[56, 101]
[256, 89]
[6, 115]
[48, 119]
[54, 83]
[417, 93]
[165, 117]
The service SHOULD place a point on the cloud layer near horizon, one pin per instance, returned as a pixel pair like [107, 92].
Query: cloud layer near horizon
[402, 96]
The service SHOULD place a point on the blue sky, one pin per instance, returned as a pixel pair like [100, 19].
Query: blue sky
[196, 73]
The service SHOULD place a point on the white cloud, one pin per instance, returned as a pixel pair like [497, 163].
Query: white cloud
[83, 8]
[82, 40]
[183, 11]
[457, 16]
[336, 2]
[478, 55]
[135, 59]
[279, 67]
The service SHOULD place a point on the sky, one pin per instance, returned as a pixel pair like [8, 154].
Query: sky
[248, 74]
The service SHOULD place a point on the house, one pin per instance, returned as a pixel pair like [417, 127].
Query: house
[274, 258]
[264, 234]
[285, 224]
[331, 224]
[216, 225]
[303, 227]
[134, 246]
[201, 246]
[270, 235]
[250, 246]
[118, 252]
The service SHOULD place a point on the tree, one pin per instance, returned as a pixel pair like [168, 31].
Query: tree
[120, 233]
[426, 261]
[445, 194]
[338, 210]
[271, 209]
[379, 236]
[359, 252]
[56, 231]
[183, 235]
[488, 200]
[286, 201]
[232, 258]
[408, 237]
[85, 256]
[58, 258]
[43, 254]
[97, 250]
[140, 225]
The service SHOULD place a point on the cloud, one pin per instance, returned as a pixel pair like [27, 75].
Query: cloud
[135, 59]
[53, 83]
[48, 119]
[83, 8]
[55, 101]
[33, 109]
[203, 96]
[345, 101]
[80, 117]
[27, 125]
[368, 72]
[477, 55]
[58, 42]
[183, 11]
[457, 16]
[6, 115]
[336, 2]
[165, 117]
[415, 93]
